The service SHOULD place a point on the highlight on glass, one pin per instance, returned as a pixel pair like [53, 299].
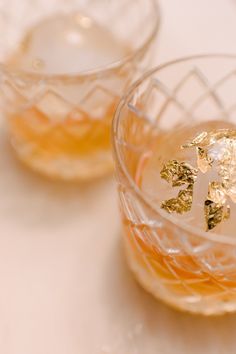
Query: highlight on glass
[64, 66]
[174, 138]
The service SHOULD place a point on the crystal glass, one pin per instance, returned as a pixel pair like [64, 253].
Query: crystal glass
[172, 256]
[64, 65]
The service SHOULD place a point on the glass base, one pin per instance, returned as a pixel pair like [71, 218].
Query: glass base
[68, 168]
[212, 305]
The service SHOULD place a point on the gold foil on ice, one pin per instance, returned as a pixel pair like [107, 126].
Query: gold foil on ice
[205, 139]
[204, 162]
[182, 203]
[179, 174]
[214, 208]
[216, 193]
[215, 214]
[215, 149]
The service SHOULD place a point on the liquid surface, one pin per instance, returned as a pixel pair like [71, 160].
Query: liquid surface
[66, 132]
[168, 147]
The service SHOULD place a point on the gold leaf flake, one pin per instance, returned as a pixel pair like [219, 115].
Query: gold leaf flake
[197, 141]
[205, 139]
[217, 193]
[179, 173]
[215, 214]
[182, 203]
[214, 207]
[204, 162]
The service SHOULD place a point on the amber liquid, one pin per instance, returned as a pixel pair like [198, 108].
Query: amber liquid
[57, 135]
[67, 150]
[192, 275]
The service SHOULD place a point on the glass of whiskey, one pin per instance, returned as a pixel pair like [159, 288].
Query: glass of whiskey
[64, 67]
[174, 139]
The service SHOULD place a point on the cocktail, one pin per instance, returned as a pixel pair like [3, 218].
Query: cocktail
[174, 137]
[64, 66]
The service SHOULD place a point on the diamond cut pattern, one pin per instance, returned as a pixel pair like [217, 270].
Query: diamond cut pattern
[110, 85]
[209, 92]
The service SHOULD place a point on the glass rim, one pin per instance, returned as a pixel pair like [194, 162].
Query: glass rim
[210, 236]
[99, 70]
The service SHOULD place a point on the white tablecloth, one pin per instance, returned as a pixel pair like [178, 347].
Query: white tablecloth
[64, 286]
